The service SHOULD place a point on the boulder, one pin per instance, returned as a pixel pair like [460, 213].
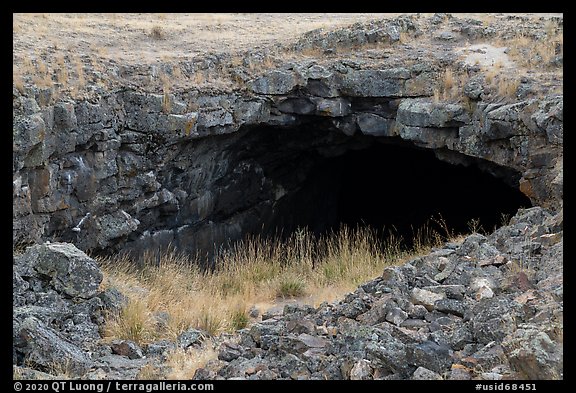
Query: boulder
[423, 374]
[426, 298]
[375, 125]
[374, 83]
[127, 348]
[361, 371]
[68, 269]
[190, 337]
[431, 355]
[275, 82]
[47, 348]
[533, 354]
[423, 113]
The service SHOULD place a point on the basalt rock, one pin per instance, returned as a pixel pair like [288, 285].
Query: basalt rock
[450, 333]
[125, 171]
[418, 331]
[70, 270]
[59, 314]
[136, 169]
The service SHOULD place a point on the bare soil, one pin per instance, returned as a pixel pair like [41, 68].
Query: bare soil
[130, 37]
[77, 52]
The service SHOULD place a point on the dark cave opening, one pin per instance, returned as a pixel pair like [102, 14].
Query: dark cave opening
[390, 186]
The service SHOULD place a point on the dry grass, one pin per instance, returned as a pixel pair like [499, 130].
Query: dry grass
[448, 80]
[141, 38]
[314, 52]
[239, 317]
[199, 78]
[62, 369]
[105, 40]
[504, 85]
[537, 54]
[183, 363]
[507, 87]
[405, 37]
[149, 372]
[486, 19]
[291, 286]
[61, 71]
[18, 81]
[255, 271]
[516, 267]
[53, 69]
[157, 33]
[490, 75]
[449, 87]
[81, 80]
[166, 99]
[16, 373]
[42, 76]
[177, 73]
[135, 322]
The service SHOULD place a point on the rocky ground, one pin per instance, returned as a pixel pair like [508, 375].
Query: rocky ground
[111, 149]
[490, 307]
[151, 154]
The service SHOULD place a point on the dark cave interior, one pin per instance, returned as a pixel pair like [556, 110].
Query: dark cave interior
[382, 183]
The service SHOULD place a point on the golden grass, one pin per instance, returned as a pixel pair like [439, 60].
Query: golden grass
[291, 286]
[42, 76]
[515, 267]
[490, 75]
[199, 78]
[255, 271]
[448, 80]
[140, 38]
[449, 87]
[149, 372]
[405, 37]
[61, 369]
[135, 322]
[145, 38]
[183, 363]
[81, 80]
[536, 54]
[166, 100]
[507, 87]
[18, 81]
[177, 73]
[63, 73]
[312, 52]
[16, 373]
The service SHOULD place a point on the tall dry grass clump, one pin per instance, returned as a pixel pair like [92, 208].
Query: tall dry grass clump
[169, 293]
[449, 86]
[538, 52]
[184, 363]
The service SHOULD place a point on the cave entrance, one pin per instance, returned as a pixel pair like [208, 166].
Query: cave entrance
[383, 183]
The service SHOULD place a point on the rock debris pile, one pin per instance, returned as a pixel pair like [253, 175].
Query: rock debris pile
[490, 307]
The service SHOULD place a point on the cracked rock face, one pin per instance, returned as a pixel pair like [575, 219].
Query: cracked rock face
[133, 170]
[150, 177]
[130, 168]
[59, 309]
